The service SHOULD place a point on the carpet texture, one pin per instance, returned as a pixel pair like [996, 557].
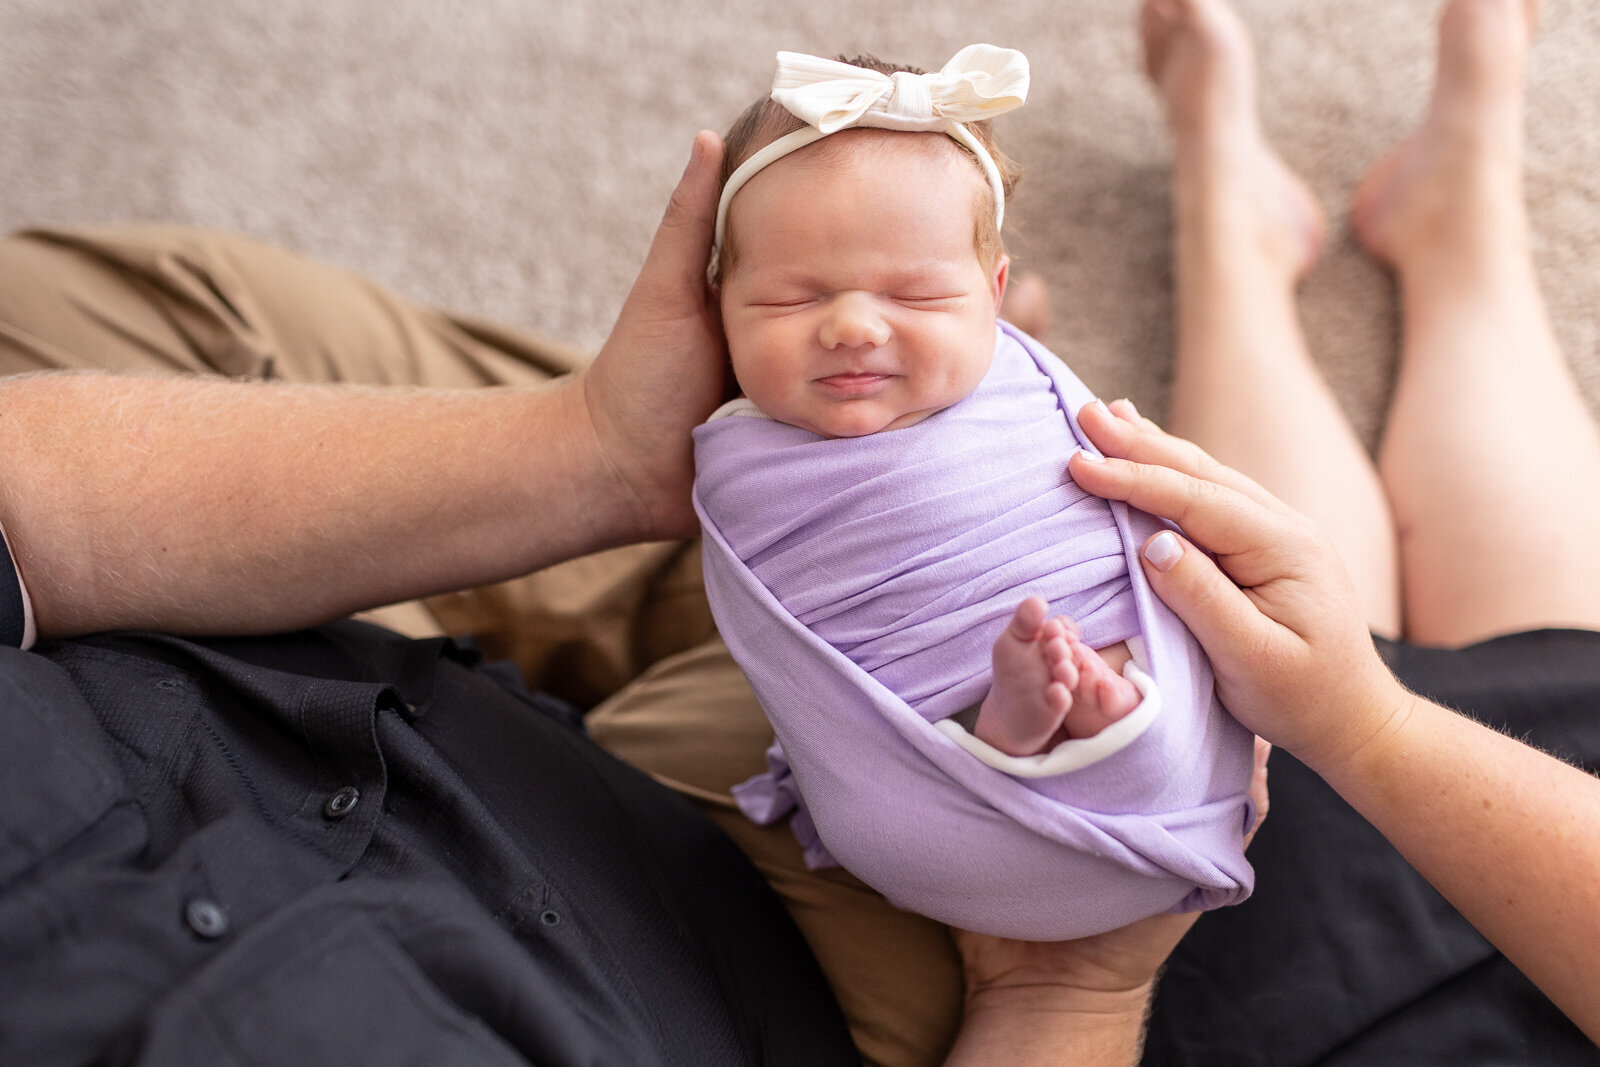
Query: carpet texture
[510, 158]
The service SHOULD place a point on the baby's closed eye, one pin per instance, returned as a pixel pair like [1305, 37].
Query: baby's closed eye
[929, 301]
[785, 302]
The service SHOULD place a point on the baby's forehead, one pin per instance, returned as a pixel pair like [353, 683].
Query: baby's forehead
[866, 146]
[918, 191]
[932, 162]
[925, 171]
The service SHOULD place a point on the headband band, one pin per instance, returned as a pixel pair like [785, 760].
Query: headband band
[979, 82]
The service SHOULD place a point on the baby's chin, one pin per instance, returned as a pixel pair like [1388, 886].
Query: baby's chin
[865, 424]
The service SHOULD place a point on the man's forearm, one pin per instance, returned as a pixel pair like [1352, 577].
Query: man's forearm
[229, 507]
[221, 507]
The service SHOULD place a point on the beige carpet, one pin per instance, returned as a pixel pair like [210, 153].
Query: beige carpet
[509, 158]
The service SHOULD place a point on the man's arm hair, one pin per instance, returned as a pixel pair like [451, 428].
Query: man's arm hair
[226, 507]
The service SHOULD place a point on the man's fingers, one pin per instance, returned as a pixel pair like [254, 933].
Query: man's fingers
[1258, 789]
[1120, 431]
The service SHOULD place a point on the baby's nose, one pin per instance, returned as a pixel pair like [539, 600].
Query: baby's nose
[853, 320]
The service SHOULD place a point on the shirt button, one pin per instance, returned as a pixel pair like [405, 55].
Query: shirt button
[342, 803]
[206, 918]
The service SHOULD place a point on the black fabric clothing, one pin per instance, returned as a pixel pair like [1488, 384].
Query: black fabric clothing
[347, 846]
[1345, 955]
[12, 619]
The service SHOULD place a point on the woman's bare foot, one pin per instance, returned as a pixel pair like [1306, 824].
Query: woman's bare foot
[1466, 154]
[1048, 685]
[1198, 55]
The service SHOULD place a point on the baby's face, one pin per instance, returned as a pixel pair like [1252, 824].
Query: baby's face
[857, 302]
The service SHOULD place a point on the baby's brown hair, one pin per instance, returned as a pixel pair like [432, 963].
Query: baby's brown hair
[766, 120]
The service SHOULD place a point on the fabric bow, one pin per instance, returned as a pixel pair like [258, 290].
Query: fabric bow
[980, 82]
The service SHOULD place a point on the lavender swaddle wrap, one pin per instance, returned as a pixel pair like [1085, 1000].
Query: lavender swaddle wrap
[860, 584]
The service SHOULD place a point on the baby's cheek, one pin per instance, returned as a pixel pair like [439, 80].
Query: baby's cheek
[756, 380]
[741, 346]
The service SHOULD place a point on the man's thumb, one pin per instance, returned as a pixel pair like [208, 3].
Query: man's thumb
[682, 243]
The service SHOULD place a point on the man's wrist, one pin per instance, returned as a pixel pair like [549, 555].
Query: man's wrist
[647, 486]
[608, 503]
[1048, 1024]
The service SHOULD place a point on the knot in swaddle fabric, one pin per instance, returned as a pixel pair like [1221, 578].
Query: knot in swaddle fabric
[861, 583]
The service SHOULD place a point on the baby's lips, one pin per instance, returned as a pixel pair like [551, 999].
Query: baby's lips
[855, 372]
[852, 382]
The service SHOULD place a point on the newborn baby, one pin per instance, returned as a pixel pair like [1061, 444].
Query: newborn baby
[894, 549]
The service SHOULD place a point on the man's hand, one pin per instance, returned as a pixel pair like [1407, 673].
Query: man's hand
[661, 371]
[1079, 1002]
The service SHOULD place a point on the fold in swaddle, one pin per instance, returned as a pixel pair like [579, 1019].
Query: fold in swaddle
[861, 583]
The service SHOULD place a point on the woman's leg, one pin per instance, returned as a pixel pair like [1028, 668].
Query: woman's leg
[1491, 459]
[1244, 384]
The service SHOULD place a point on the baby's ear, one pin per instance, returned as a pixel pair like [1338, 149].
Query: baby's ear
[1002, 274]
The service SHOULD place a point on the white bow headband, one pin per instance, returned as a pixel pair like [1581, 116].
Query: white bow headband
[979, 82]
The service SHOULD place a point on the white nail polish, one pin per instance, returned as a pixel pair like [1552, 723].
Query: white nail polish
[1163, 550]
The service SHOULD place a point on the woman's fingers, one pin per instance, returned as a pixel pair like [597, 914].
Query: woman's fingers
[1226, 622]
[1276, 611]
[1118, 430]
[1219, 518]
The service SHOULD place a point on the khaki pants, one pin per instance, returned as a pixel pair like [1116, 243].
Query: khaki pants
[626, 632]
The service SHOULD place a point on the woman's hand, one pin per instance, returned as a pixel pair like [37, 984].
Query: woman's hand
[1276, 612]
[1503, 830]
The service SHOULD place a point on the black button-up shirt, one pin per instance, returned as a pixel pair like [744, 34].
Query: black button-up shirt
[345, 846]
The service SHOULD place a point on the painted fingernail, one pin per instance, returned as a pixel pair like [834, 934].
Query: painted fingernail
[1089, 457]
[1163, 550]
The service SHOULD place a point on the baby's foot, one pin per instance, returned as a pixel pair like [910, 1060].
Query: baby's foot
[1034, 674]
[1198, 55]
[1102, 695]
[1049, 686]
[1463, 162]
